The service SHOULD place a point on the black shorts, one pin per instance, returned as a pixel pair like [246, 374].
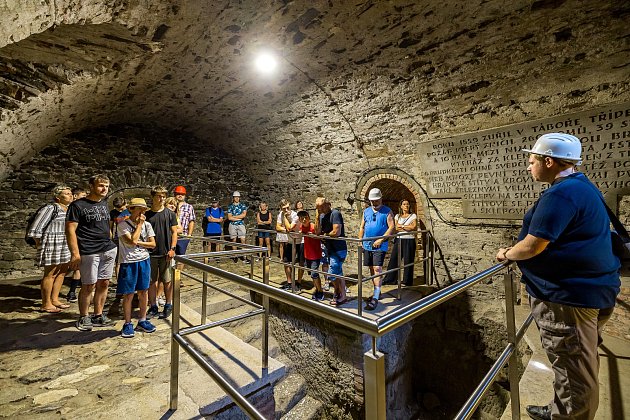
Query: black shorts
[288, 249]
[373, 258]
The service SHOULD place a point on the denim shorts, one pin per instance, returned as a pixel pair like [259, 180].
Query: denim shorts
[133, 276]
[336, 262]
[312, 265]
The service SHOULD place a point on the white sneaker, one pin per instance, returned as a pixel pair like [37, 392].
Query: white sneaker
[161, 300]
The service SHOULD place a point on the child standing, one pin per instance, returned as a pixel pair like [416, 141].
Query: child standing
[136, 235]
[312, 253]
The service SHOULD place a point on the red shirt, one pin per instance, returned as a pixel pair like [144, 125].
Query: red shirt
[312, 246]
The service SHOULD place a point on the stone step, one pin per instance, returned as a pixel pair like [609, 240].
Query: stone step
[288, 393]
[238, 361]
[307, 409]
[216, 302]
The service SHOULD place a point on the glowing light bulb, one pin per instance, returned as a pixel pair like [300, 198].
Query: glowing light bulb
[266, 63]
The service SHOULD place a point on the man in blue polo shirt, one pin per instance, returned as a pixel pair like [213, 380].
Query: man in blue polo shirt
[214, 216]
[565, 254]
[378, 220]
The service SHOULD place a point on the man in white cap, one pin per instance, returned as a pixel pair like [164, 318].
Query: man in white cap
[565, 254]
[236, 212]
[378, 220]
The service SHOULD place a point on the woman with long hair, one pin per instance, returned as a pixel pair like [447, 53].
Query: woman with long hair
[263, 221]
[405, 221]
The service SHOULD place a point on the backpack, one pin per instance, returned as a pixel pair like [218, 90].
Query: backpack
[31, 219]
[204, 222]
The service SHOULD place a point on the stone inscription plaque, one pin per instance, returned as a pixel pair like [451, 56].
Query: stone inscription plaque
[489, 173]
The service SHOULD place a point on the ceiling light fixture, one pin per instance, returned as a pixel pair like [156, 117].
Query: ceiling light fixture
[266, 62]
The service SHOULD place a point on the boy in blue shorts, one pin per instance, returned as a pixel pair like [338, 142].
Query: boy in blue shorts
[136, 235]
[312, 252]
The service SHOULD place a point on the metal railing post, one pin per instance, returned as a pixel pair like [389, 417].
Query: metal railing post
[265, 317]
[292, 263]
[374, 384]
[511, 336]
[204, 288]
[360, 279]
[174, 383]
[400, 269]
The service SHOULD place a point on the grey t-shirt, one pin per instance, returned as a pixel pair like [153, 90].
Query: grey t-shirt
[133, 253]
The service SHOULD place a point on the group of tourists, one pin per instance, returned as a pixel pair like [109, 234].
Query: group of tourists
[309, 253]
[78, 235]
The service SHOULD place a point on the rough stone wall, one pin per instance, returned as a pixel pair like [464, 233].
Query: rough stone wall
[432, 364]
[134, 157]
[329, 357]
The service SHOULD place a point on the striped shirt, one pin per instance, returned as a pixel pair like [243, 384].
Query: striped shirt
[53, 248]
[186, 215]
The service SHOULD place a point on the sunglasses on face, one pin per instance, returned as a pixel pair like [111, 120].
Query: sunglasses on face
[374, 217]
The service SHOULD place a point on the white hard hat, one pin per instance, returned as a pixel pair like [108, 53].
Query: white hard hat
[375, 194]
[236, 194]
[558, 145]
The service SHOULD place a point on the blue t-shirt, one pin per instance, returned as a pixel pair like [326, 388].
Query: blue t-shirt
[214, 228]
[578, 267]
[375, 225]
[326, 222]
[235, 210]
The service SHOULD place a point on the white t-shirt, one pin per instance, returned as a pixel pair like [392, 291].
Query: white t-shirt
[405, 221]
[293, 217]
[133, 253]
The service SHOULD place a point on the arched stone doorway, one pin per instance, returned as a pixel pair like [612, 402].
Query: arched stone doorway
[395, 186]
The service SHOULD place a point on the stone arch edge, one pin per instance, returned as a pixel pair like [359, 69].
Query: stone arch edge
[395, 174]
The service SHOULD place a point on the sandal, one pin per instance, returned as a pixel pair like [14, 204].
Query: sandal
[61, 305]
[54, 310]
[337, 302]
[371, 305]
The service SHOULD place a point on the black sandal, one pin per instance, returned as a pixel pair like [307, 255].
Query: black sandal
[371, 305]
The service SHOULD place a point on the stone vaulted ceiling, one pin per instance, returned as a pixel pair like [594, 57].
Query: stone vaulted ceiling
[399, 71]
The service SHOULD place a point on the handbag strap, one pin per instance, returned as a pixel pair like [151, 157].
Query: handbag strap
[621, 230]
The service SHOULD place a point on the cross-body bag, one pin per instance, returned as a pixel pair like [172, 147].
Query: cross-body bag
[619, 236]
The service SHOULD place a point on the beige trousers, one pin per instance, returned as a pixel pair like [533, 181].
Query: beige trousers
[570, 337]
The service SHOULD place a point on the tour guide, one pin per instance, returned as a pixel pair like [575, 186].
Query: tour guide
[565, 254]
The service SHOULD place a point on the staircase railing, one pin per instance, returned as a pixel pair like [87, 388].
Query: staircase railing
[374, 363]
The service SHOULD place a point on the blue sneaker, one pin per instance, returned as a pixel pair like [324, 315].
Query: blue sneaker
[145, 326]
[127, 330]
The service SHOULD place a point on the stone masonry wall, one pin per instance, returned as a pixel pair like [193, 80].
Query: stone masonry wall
[134, 157]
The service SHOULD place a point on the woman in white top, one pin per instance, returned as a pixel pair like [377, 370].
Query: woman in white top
[405, 222]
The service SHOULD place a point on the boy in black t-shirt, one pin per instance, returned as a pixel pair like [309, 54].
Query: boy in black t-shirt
[92, 250]
[164, 223]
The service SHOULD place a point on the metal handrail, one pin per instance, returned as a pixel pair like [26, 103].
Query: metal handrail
[328, 312]
[377, 328]
[402, 315]
[374, 328]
